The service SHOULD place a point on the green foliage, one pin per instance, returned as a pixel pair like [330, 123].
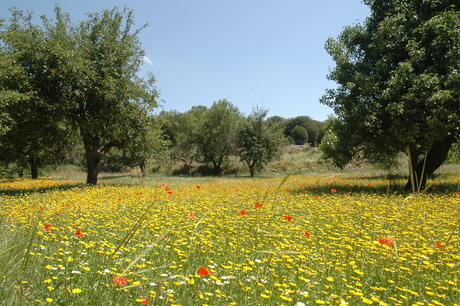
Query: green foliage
[299, 134]
[333, 149]
[398, 79]
[454, 154]
[34, 137]
[146, 145]
[258, 142]
[313, 128]
[85, 74]
[207, 134]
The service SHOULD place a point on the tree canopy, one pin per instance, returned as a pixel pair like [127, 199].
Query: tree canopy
[399, 84]
[257, 141]
[85, 73]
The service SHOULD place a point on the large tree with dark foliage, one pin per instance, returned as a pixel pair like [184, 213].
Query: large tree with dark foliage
[87, 73]
[399, 84]
[32, 135]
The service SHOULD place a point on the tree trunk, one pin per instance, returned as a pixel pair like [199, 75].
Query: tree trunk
[143, 167]
[251, 166]
[216, 169]
[34, 162]
[428, 165]
[93, 159]
[216, 166]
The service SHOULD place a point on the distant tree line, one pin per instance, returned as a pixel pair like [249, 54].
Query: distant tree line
[211, 135]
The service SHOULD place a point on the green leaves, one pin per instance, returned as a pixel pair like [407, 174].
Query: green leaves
[84, 75]
[398, 77]
[257, 142]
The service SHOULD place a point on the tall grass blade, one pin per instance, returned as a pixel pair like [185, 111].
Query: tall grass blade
[280, 185]
[133, 229]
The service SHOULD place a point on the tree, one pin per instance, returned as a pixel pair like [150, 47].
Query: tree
[299, 134]
[32, 137]
[312, 127]
[339, 152]
[189, 129]
[399, 84]
[147, 144]
[88, 74]
[258, 142]
[214, 133]
[9, 74]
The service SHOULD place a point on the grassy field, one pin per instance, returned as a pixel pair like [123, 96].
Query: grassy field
[298, 240]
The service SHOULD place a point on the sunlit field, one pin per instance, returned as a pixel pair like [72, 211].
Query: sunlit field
[300, 241]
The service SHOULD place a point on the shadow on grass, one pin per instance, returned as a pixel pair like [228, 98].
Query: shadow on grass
[381, 185]
[18, 191]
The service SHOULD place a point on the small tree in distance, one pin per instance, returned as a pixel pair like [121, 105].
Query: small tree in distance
[300, 135]
[213, 134]
[258, 142]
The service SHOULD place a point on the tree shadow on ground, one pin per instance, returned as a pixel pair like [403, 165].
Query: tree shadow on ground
[24, 191]
[384, 185]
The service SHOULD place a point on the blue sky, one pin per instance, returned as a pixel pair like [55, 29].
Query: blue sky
[266, 53]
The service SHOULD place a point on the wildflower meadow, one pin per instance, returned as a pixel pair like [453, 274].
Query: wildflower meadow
[298, 240]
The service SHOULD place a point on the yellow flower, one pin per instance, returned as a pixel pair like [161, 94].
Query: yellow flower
[76, 290]
[265, 296]
[49, 300]
[367, 301]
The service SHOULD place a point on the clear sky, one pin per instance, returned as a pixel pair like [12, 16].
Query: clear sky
[266, 53]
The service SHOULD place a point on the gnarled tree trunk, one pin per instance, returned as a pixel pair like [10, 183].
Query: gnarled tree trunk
[95, 151]
[429, 164]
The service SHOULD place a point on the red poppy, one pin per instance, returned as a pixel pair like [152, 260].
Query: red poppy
[307, 234]
[369, 185]
[243, 212]
[203, 271]
[258, 205]
[79, 233]
[48, 227]
[333, 190]
[388, 241]
[144, 301]
[191, 215]
[198, 187]
[119, 280]
[440, 244]
[289, 218]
